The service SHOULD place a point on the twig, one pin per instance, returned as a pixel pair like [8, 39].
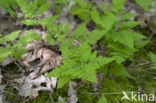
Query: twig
[108, 93]
[151, 36]
[141, 64]
[7, 92]
[16, 98]
[20, 67]
[51, 98]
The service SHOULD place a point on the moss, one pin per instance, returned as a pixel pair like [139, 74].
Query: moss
[42, 98]
[10, 93]
[60, 92]
[117, 85]
[84, 96]
[112, 88]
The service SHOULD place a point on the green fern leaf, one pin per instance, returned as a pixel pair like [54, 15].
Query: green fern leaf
[118, 4]
[107, 22]
[104, 61]
[29, 37]
[63, 81]
[10, 37]
[29, 22]
[153, 58]
[95, 35]
[79, 31]
[146, 5]
[141, 43]
[95, 15]
[83, 4]
[25, 7]
[32, 8]
[4, 53]
[50, 39]
[9, 6]
[42, 8]
[18, 51]
[127, 16]
[119, 70]
[129, 24]
[124, 38]
[102, 99]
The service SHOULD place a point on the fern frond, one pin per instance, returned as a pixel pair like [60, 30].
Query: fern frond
[153, 58]
[79, 62]
[137, 36]
[95, 15]
[95, 35]
[102, 99]
[79, 31]
[10, 37]
[129, 24]
[9, 6]
[104, 61]
[81, 10]
[141, 43]
[118, 4]
[50, 40]
[127, 16]
[107, 22]
[118, 57]
[4, 53]
[18, 50]
[25, 7]
[119, 50]
[42, 8]
[124, 38]
[29, 22]
[146, 5]
[33, 8]
[29, 36]
[83, 4]
[127, 38]
[119, 70]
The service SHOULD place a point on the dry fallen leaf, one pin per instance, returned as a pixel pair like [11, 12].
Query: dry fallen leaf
[31, 87]
[72, 93]
[38, 60]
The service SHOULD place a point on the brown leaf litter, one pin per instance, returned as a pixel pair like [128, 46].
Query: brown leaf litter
[39, 60]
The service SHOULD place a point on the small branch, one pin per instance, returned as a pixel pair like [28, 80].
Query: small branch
[108, 93]
[20, 67]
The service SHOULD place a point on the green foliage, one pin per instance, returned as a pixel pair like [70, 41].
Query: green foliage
[17, 49]
[10, 37]
[29, 36]
[147, 5]
[102, 99]
[118, 4]
[62, 101]
[9, 6]
[33, 8]
[80, 62]
[82, 9]
[116, 69]
[114, 30]
[4, 53]
[153, 58]
[29, 8]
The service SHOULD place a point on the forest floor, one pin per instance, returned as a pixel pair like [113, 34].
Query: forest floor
[13, 73]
